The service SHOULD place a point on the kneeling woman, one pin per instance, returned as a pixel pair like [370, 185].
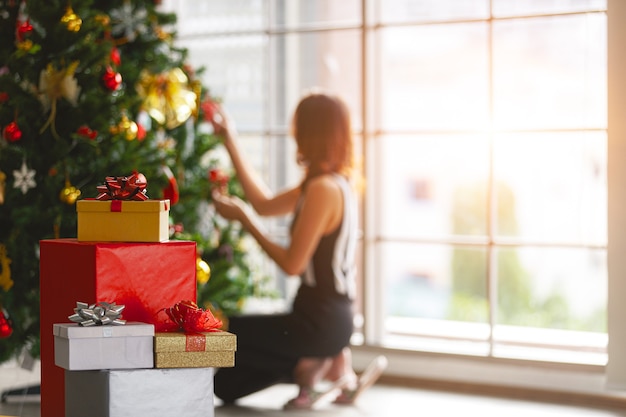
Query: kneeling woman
[311, 341]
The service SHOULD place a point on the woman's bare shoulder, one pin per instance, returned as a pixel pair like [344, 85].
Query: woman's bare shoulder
[326, 183]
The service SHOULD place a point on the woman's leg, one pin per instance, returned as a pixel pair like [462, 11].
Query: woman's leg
[310, 371]
[355, 386]
[341, 367]
[338, 370]
[307, 374]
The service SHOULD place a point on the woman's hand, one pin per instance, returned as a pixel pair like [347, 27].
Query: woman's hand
[230, 207]
[222, 125]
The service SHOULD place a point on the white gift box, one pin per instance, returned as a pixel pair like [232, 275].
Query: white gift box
[130, 346]
[178, 392]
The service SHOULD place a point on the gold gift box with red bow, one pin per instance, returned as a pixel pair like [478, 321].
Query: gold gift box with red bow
[194, 350]
[123, 221]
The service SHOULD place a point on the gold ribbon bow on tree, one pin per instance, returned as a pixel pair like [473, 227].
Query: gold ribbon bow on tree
[53, 85]
[167, 97]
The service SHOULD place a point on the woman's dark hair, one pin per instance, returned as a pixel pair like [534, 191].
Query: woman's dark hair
[321, 127]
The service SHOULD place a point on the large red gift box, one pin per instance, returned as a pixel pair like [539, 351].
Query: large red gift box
[145, 277]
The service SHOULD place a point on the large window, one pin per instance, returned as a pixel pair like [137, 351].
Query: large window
[489, 177]
[482, 130]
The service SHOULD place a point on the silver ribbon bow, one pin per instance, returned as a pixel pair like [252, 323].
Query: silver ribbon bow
[98, 314]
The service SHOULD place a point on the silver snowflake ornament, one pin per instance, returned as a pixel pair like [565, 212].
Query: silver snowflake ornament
[128, 22]
[24, 178]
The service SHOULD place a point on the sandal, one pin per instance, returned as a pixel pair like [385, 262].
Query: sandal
[371, 374]
[309, 397]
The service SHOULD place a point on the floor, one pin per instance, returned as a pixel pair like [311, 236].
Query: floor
[379, 401]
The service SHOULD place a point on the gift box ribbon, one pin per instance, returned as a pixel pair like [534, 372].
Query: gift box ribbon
[188, 317]
[116, 206]
[195, 342]
[98, 314]
[132, 187]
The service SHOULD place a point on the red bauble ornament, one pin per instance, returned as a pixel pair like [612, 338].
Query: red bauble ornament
[115, 56]
[87, 132]
[5, 324]
[22, 30]
[111, 79]
[179, 228]
[171, 191]
[141, 132]
[218, 178]
[4, 97]
[12, 132]
[208, 107]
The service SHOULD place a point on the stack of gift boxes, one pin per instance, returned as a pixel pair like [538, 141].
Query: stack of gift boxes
[147, 366]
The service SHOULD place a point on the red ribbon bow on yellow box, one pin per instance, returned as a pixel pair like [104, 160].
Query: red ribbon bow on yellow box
[132, 187]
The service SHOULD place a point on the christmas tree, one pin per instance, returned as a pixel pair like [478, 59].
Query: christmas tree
[90, 89]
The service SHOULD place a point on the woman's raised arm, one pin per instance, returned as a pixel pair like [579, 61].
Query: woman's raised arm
[264, 202]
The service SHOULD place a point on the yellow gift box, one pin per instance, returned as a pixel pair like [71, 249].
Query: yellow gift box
[123, 221]
[194, 350]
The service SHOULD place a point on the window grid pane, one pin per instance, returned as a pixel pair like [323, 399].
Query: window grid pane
[568, 170]
[550, 72]
[433, 186]
[434, 77]
[297, 14]
[503, 8]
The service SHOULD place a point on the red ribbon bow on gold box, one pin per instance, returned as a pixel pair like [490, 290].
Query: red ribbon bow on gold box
[192, 319]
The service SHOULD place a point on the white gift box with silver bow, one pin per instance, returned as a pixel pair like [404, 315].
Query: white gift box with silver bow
[130, 346]
[179, 392]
